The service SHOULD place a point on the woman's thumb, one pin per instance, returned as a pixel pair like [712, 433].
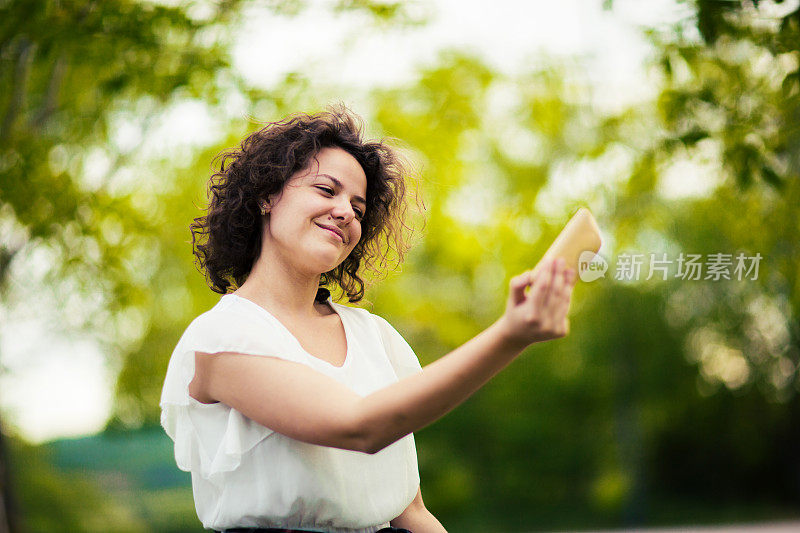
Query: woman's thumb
[517, 286]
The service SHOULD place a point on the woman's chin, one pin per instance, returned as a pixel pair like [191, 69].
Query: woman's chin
[325, 260]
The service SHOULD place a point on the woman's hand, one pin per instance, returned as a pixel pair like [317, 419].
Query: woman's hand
[541, 314]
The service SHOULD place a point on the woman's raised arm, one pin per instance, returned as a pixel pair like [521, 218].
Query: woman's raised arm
[308, 406]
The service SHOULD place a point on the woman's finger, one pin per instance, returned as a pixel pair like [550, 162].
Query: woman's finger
[551, 290]
[570, 277]
[557, 288]
[565, 295]
[540, 288]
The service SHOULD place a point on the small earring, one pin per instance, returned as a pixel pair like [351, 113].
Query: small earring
[263, 209]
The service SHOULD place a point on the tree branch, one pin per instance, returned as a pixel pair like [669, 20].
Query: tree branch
[50, 103]
[18, 86]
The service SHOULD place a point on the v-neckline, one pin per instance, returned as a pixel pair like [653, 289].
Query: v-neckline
[291, 335]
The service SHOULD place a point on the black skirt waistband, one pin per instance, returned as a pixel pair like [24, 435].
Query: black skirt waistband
[278, 530]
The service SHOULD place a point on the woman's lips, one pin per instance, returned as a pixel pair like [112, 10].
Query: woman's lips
[332, 233]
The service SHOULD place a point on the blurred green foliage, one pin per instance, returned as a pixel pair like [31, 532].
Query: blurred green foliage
[671, 401]
[109, 482]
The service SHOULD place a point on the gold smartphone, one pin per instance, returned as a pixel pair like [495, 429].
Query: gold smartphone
[579, 235]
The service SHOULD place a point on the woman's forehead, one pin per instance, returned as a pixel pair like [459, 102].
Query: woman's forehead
[338, 167]
[337, 160]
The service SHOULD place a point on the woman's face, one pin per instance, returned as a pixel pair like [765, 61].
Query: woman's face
[330, 193]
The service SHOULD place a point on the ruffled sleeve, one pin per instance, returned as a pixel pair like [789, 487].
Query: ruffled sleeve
[211, 438]
[401, 355]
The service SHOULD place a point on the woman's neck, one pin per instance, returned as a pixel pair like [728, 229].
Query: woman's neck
[285, 291]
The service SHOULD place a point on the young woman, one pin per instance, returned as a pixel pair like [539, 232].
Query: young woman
[291, 410]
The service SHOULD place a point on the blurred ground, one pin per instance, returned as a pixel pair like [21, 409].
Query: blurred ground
[770, 527]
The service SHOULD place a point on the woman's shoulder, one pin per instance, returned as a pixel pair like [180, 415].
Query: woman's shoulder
[374, 328]
[230, 322]
[229, 308]
[372, 321]
[360, 316]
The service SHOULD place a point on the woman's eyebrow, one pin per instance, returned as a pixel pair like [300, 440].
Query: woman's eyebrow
[339, 184]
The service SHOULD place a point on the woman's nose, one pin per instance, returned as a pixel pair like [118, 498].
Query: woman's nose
[344, 211]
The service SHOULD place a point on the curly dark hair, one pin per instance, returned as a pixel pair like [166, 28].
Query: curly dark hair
[227, 239]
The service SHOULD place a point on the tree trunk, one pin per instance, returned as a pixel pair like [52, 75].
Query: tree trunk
[7, 511]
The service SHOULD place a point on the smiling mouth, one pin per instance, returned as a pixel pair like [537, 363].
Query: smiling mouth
[339, 237]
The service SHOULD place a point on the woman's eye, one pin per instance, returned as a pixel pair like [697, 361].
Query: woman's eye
[359, 213]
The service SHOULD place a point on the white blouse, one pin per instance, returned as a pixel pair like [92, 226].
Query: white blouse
[246, 475]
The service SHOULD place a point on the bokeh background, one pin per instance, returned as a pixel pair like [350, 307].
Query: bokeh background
[672, 402]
